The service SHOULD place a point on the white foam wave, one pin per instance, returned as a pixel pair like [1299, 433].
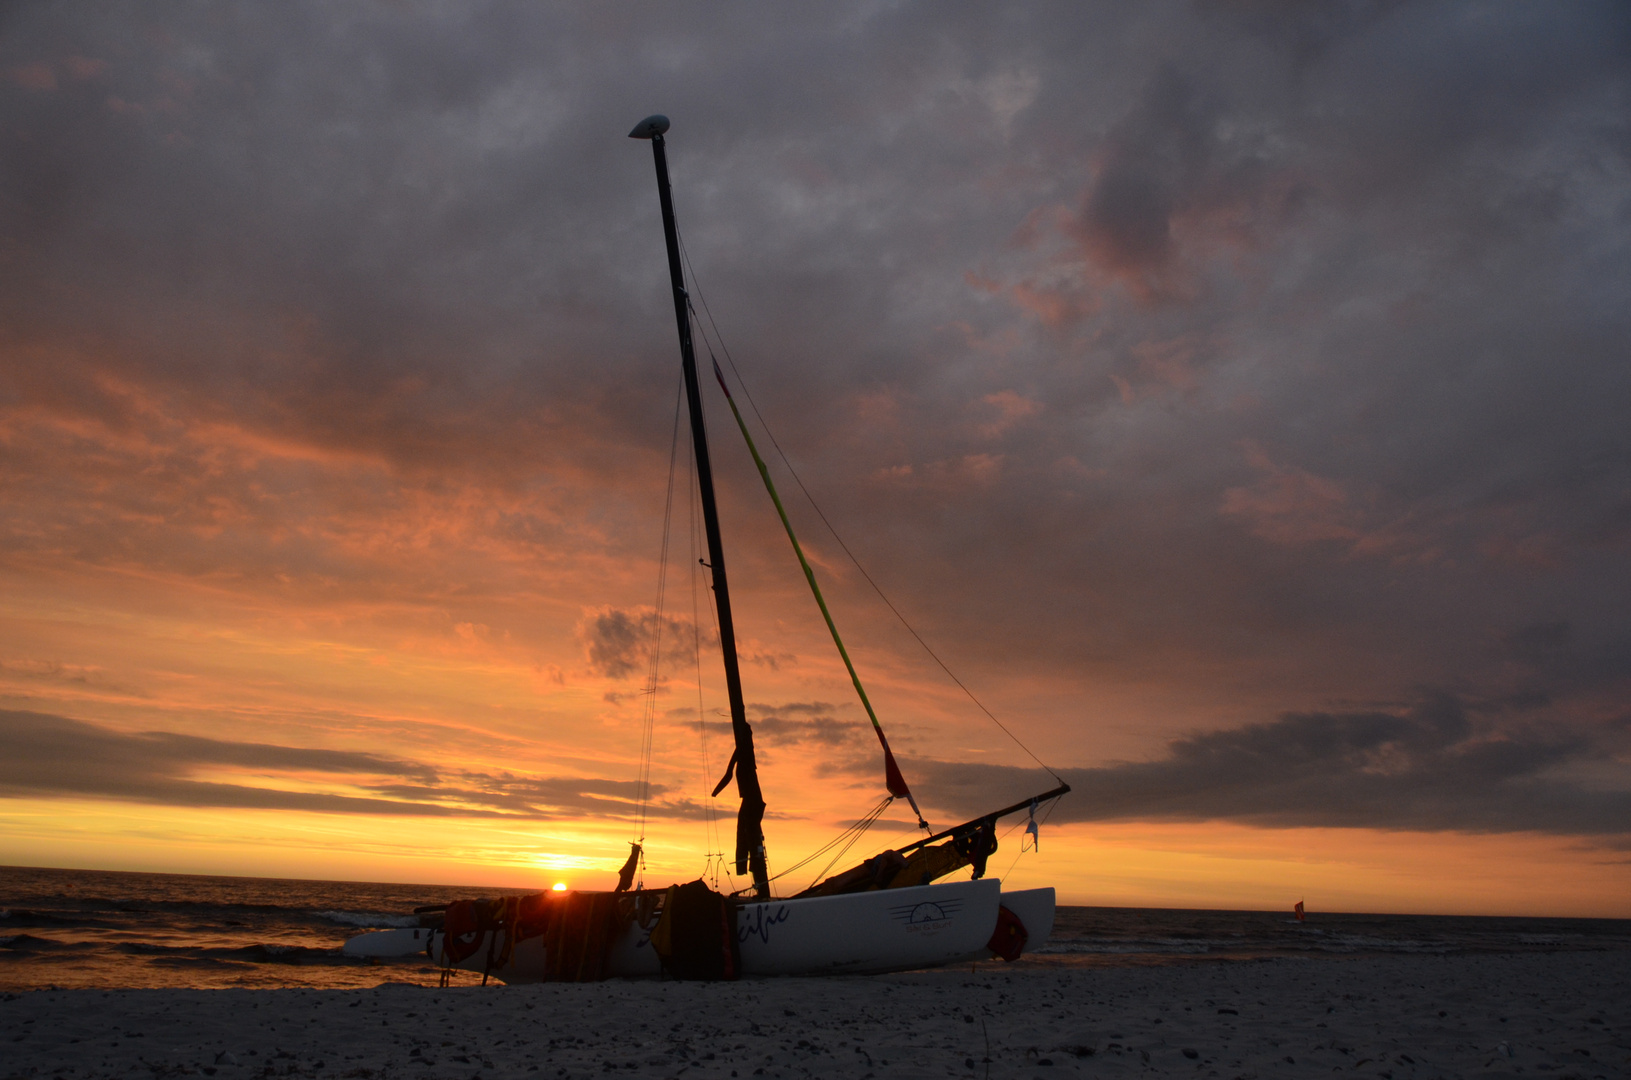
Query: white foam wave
[368, 919]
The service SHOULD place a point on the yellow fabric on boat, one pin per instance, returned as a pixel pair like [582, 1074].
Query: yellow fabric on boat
[662, 935]
[927, 864]
[875, 873]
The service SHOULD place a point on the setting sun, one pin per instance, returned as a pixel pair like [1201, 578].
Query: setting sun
[559, 886]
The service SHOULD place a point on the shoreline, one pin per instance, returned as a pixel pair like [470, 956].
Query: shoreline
[1395, 1017]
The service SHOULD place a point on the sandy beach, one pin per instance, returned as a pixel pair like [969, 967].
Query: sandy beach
[1557, 1015]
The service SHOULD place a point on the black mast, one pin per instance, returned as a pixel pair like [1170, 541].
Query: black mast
[750, 850]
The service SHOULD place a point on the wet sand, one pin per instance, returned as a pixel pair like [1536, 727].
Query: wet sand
[1551, 1015]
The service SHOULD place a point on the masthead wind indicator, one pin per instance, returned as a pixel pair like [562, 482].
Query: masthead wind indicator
[650, 127]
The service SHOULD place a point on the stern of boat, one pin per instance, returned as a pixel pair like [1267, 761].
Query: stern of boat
[1034, 909]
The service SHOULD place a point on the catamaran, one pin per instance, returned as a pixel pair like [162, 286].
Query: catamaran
[889, 913]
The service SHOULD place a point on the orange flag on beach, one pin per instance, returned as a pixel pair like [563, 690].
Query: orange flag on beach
[1299, 910]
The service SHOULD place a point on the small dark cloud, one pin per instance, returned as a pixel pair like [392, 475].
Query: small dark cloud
[1145, 166]
[797, 723]
[1433, 767]
[618, 642]
[811, 722]
[42, 755]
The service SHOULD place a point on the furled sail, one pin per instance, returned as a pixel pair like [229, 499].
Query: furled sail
[894, 781]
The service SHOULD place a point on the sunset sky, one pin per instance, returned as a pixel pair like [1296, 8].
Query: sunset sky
[1236, 396]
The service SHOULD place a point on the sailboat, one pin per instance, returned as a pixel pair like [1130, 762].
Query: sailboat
[889, 913]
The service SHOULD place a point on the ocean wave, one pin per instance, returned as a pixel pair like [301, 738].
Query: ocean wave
[195, 963]
[285, 954]
[1124, 948]
[369, 920]
[30, 943]
[1342, 944]
[261, 952]
[35, 917]
[97, 912]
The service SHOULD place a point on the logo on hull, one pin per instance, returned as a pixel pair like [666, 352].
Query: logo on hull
[928, 917]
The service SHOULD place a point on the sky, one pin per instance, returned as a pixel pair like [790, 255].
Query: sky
[1232, 395]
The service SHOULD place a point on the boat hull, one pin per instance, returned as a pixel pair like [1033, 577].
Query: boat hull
[382, 944]
[869, 932]
[1034, 910]
[853, 934]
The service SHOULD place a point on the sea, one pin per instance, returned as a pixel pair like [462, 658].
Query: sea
[107, 930]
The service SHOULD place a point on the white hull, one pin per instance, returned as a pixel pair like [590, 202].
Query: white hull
[387, 943]
[1034, 908]
[853, 934]
[869, 932]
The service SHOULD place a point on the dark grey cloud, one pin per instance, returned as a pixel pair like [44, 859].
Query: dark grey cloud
[42, 755]
[1441, 764]
[1435, 766]
[1156, 164]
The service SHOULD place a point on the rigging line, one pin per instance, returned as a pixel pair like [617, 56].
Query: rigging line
[697, 544]
[710, 830]
[1006, 833]
[649, 723]
[657, 640]
[720, 338]
[893, 780]
[1052, 806]
[825, 870]
[821, 875]
[858, 828]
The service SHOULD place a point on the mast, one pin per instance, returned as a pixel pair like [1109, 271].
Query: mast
[750, 850]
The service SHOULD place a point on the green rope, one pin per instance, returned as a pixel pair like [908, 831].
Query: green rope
[809, 575]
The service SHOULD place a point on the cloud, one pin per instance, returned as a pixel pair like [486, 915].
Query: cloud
[793, 724]
[35, 76]
[1150, 169]
[618, 642]
[46, 756]
[1290, 505]
[805, 722]
[352, 323]
[1435, 766]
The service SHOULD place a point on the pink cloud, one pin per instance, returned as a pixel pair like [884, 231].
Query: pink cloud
[84, 67]
[1291, 506]
[35, 76]
[1012, 408]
